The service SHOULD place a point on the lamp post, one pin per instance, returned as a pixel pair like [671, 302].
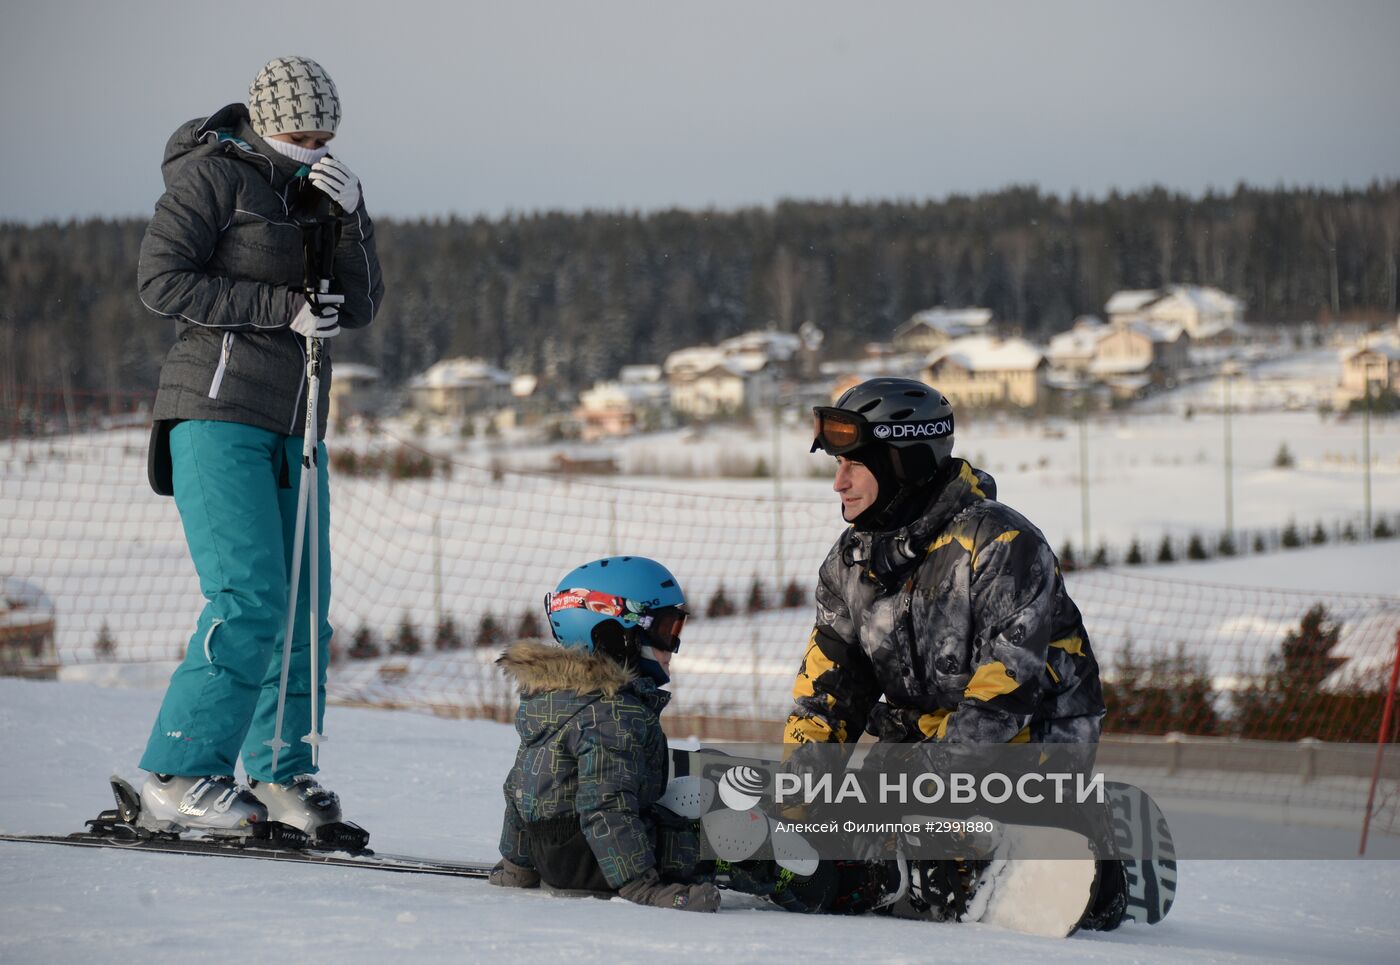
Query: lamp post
[1228, 371]
[1084, 469]
[1366, 453]
[778, 493]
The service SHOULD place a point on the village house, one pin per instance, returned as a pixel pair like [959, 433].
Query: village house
[741, 374]
[26, 626]
[981, 371]
[933, 328]
[1128, 356]
[759, 349]
[355, 391]
[1204, 313]
[1071, 353]
[619, 407]
[704, 383]
[1132, 357]
[842, 374]
[460, 387]
[1374, 363]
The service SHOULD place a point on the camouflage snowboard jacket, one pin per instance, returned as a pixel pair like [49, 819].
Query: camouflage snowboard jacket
[959, 620]
[591, 747]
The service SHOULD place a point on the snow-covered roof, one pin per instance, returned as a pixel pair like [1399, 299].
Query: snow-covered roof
[743, 354]
[949, 321]
[696, 358]
[1154, 331]
[1078, 342]
[355, 370]
[1205, 299]
[1385, 347]
[725, 369]
[25, 604]
[897, 366]
[986, 353]
[631, 374]
[747, 362]
[620, 395]
[1130, 300]
[775, 346]
[524, 386]
[459, 373]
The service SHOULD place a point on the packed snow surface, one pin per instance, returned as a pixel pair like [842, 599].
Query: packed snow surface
[429, 786]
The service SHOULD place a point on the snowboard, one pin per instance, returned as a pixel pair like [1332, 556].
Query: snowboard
[710, 782]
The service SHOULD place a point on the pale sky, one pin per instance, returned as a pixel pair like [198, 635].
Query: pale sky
[482, 108]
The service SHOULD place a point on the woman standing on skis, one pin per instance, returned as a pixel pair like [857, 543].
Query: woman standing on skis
[223, 256]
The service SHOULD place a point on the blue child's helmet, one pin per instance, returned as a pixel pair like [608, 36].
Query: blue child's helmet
[617, 605]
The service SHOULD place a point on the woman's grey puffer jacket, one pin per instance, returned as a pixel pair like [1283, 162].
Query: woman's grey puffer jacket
[223, 256]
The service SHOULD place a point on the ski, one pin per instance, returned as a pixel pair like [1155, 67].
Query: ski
[120, 828]
[400, 863]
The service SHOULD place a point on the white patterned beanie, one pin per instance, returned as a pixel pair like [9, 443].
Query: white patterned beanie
[293, 94]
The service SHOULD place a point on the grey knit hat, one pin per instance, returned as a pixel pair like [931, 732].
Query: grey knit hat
[293, 94]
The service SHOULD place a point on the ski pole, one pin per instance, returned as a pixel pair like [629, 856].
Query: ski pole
[313, 395]
[304, 497]
[319, 238]
[322, 246]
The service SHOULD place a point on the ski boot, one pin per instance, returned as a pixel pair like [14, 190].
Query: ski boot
[302, 803]
[216, 806]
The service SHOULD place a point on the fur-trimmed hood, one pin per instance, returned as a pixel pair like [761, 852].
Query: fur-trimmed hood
[556, 683]
[536, 666]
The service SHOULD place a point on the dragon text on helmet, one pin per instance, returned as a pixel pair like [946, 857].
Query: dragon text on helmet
[935, 429]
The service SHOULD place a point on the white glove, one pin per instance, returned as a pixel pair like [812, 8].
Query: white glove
[338, 181]
[318, 316]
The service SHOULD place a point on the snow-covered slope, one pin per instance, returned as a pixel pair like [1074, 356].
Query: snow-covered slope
[431, 786]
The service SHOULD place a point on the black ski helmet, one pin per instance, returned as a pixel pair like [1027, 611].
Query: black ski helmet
[914, 420]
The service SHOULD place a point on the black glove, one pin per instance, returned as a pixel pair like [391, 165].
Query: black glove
[897, 725]
[647, 889]
[508, 874]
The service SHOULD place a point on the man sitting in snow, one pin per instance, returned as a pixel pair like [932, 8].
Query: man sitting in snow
[942, 615]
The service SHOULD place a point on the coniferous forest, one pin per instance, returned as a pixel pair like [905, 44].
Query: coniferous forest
[576, 296]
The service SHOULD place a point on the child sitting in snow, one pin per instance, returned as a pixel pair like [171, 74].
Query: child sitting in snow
[581, 812]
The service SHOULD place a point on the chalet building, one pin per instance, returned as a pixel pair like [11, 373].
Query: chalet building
[355, 391]
[1129, 357]
[981, 371]
[931, 329]
[620, 407]
[1375, 362]
[741, 374]
[26, 626]
[1204, 313]
[460, 387]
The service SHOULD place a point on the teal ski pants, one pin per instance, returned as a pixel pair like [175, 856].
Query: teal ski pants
[236, 489]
